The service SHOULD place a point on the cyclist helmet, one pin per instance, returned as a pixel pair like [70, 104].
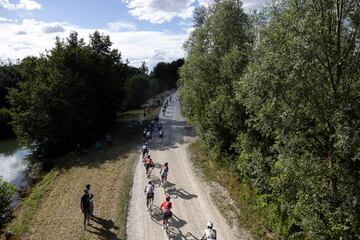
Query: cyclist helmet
[166, 163]
[210, 224]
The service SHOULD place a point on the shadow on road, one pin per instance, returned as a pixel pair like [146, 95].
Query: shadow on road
[179, 193]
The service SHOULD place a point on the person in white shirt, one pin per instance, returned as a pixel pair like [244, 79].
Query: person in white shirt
[209, 233]
[149, 193]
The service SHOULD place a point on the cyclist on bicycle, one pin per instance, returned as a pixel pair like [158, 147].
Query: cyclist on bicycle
[161, 135]
[166, 209]
[164, 172]
[148, 136]
[149, 164]
[209, 233]
[149, 193]
[145, 150]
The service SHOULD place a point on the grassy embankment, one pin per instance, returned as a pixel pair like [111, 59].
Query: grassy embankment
[40, 211]
[240, 193]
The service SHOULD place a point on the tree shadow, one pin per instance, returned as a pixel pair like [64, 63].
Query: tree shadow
[104, 232]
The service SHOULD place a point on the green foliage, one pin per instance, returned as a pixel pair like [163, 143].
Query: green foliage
[5, 127]
[166, 75]
[216, 54]
[137, 90]
[9, 76]
[6, 192]
[69, 96]
[283, 112]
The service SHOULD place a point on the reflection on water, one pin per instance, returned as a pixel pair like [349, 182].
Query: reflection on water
[13, 163]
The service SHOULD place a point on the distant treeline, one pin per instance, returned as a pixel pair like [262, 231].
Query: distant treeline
[275, 97]
[72, 93]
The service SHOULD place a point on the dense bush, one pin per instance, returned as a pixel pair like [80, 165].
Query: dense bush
[6, 193]
[277, 102]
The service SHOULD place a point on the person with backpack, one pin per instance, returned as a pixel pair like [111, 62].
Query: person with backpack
[209, 233]
[149, 193]
[85, 208]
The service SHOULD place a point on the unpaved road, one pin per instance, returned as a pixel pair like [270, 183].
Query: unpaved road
[192, 204]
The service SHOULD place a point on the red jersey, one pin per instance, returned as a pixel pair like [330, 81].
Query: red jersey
[166, 205]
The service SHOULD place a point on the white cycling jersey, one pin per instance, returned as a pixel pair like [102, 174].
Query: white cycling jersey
[210, 234]
[149, 188]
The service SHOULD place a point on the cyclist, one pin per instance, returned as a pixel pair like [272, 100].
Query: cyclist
[159, 127]
[164, 172]
[161, 135]
[145, 150]
[209, 233]
[166, 209]
[148, 136]
[149, 192]
[149, 164]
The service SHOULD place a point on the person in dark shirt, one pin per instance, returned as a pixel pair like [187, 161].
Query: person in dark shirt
[85, 207]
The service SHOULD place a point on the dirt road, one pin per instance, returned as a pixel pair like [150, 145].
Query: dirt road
[192, 204]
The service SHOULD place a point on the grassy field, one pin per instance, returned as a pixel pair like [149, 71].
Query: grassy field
[51, 211]
[246, 217]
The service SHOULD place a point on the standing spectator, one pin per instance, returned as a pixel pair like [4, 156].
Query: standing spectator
[91, 199]
[85, 207]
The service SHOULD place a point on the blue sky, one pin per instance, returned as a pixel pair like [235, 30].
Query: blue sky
[143, 30]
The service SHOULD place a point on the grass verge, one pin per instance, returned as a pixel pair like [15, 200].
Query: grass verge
[240, 193]
[29, 206]
[124, 200]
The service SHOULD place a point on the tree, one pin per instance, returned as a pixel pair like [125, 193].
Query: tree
[69, 96]
[217, 53]
[302, 92]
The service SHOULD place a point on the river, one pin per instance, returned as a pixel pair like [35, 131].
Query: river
[13, 164]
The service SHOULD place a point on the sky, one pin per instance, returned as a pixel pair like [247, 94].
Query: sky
[143, 30]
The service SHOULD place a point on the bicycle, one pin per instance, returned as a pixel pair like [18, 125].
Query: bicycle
[148, 171]
[149, 202]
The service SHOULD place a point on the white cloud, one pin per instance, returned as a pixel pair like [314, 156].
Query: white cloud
[23, 4]
[28, 38]
[160, 11]
[121, 26]
[3, 19]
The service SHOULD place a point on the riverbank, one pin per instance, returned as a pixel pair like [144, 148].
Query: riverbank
[54, 202]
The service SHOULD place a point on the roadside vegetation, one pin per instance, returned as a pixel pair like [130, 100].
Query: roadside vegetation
[274, 96]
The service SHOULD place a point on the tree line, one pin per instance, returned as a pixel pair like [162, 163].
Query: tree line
[275, 98]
